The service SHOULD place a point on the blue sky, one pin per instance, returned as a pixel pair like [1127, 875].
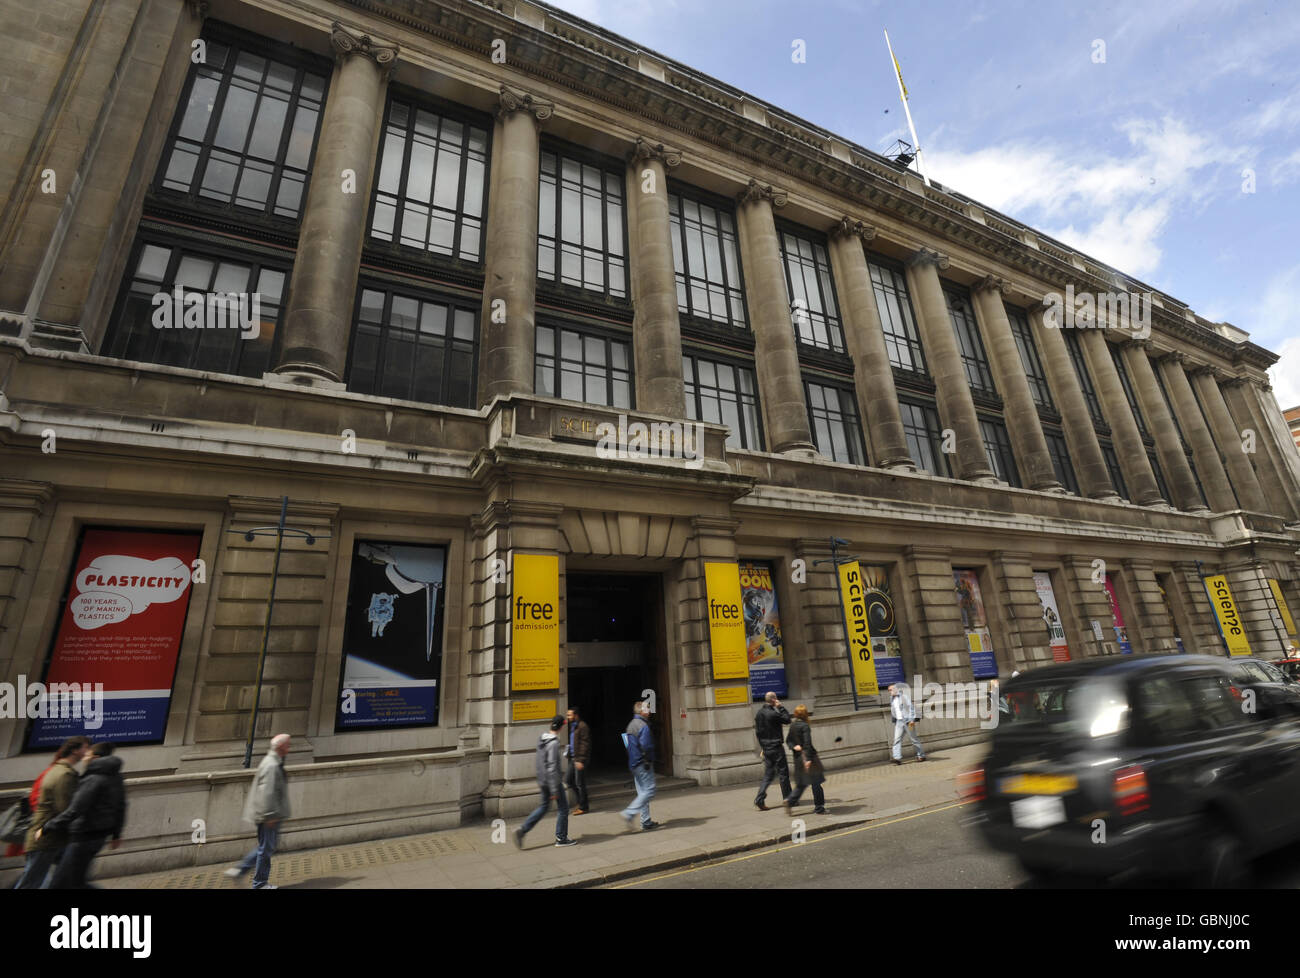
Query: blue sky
[1138, 160]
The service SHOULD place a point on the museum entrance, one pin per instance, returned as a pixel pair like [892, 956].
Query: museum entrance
[618, 652]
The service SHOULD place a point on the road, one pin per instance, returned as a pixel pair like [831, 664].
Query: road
[929, 849]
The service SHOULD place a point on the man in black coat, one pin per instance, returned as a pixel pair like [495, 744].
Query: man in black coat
[97, 814]
[767, 728]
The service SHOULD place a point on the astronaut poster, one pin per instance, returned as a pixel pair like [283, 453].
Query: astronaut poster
[392, 638]
[763, 645]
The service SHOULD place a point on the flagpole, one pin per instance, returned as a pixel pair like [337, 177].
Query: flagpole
[902, 93]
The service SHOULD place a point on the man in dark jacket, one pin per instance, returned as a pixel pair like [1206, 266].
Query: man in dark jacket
[641, 762]
[552, 787]
[579, 755]
[767, 728]
[96, 815]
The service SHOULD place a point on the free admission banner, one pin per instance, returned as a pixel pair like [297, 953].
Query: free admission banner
[535, 628]
[726, 624]
[392, 639]
[121, 626]
[1051, 617]
[763, 645]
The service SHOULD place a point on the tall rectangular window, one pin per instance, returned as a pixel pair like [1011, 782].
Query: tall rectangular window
[414, 348]
[431, 187]
[1060, 455]
[997, 445]
[1081, 371]
[577, 365]
[837, 431]
[706, 261]
[808, 283]
[580, 233]
[969, 343]
[1118, 359]
[1033, 366]
[1112, 466]
[723, 394]
[246, 133]
[205, 333]
[924, 440]
[896, 318]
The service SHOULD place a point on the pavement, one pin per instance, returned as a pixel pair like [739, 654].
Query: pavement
[696, 824]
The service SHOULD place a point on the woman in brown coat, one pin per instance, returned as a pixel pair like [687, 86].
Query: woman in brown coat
[807, 765]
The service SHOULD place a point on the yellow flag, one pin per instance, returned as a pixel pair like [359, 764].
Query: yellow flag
[901, 84]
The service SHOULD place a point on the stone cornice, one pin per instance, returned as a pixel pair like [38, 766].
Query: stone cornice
[346, 43]
[991, 283]
[754, 192]
[928, 256]
[646, 150]
[513, 101]
[849, 228]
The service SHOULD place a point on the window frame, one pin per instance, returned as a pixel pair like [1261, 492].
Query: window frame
[585, 330]
[1000, 454]
[608, 167]
[834, 326]
[846, 395]
[683, 278]
[970, 343]
[934, 435]
[694, 355]
[1030, 361]
[911, 339]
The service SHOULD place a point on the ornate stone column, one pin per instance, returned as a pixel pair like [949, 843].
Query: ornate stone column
[322, 291]
[1081, 437]
[1021, 413]
[656, 329]
[1123, 426]
[776, 357]
[507, 338]
[1218, 491]
[956, 408]
[1280, 483]
[1182, 483]
[1229, 439]
[865, 340]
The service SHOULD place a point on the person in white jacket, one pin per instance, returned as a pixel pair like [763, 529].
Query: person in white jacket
[904, 714]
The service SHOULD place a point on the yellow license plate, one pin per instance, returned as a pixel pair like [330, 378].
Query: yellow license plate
[1039, 784]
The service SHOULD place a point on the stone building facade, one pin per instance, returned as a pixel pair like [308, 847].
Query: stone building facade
[477, 232]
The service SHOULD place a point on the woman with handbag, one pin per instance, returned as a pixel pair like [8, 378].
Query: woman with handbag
[808, 769]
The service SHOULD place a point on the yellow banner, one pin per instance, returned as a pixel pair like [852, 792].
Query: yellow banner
[726, 623]
[535, 629]
[523, 710]
[1234, 633]
[1282, 609]
[730, 695]
[855, 615]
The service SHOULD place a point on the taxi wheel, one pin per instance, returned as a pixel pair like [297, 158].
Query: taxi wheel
[1225, 865]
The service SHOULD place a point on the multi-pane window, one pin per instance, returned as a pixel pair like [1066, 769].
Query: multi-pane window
[705, 257]
[414, 348]
[1060, 455]
[580, 237]
[431, 187]
[723, 394]
[813, 310]
[1118, 359]
[1029, 357]
[924, 439]
[581, 366]
[1155, 470]
[192, 309]
[837, 431]
[1112, 466]
[969, 343]
[1085, 383]
[896, 318]
[997, 445]
[246, 134]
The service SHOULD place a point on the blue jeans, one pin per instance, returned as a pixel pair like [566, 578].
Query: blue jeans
[561, 817]
[901, 727]
[39, 869]
[267, 837]
[644, 776]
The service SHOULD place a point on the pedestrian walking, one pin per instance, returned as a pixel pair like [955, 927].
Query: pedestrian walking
[551, 785]
[96, 816]
[22, 815]
[58, 785]
[808, 770]
[767, 728]
[579, 755]
[267, 808]
[904, 714]
[641, 762]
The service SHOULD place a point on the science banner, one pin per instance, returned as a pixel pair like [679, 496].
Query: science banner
[1287, 621]
[392, 636]
[979, 640]
[1117, 619]
[121, 627]
[886, 649]
[1051, 617]
[763, 646]
[854, 598]
[535, 623]
[1225, 612]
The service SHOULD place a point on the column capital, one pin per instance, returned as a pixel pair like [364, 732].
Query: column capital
[1235, 380]
[345, 43]
[645, 150]
[512, 101]
[199, 8]
[1172, 356]
[992, 283]
[1135, 343]
[846, 227]
[928, 256]
[755, 192]
[1209, 370]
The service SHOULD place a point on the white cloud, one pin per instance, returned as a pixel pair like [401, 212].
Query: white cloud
[1285, 374]
[1275, 325]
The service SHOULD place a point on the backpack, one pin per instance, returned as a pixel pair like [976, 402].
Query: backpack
[15, 821]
